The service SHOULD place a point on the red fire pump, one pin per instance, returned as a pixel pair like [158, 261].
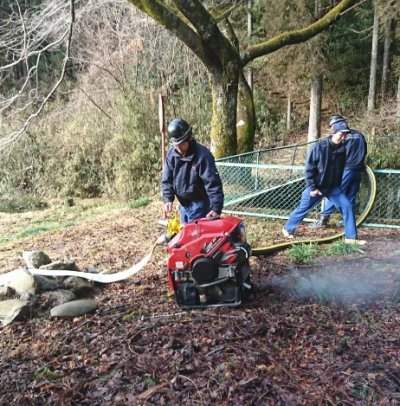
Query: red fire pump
[208, 263]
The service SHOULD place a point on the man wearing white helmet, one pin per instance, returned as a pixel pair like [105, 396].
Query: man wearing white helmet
[356, 150]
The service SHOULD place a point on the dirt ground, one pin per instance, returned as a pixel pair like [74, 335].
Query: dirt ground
[322, 333]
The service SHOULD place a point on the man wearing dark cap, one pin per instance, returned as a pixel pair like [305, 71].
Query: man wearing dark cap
[356, 151]
[324, 168]
[190, 175]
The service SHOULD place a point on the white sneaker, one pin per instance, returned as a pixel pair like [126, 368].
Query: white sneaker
[286, 233]
[353, 241]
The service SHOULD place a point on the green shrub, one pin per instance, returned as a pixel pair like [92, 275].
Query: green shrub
[131, 159]
[303, 253]
[271, 125]
[341, 248]
[384, 151]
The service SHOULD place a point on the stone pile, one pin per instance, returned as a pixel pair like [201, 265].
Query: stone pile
[23, 295]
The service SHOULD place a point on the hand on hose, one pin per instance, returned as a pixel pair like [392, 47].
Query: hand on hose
[212, 215]
[167, 209]
[315, 193]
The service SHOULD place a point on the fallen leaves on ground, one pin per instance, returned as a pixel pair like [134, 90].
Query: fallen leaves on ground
[141, 348]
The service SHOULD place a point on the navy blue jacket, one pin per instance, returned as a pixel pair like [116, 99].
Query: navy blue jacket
[324, 165]
[356, 150]
[192, 177]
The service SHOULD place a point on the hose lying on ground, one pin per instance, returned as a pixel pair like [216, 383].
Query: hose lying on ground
[101, 278]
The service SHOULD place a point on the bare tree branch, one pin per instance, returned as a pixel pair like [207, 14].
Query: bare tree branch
[94, 103]
[9, 138]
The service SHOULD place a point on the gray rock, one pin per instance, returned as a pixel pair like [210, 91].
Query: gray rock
[58, 297]
[21, 280]
[61, 265]
[74, 308]
[6, 292]
[35, 259]
[92, 269]
[77, 284]
[11, 309]
[29, 297]
[45, 283]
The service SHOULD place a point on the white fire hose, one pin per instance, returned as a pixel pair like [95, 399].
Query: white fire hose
[172, 228]
[172, 225]
[101, 278]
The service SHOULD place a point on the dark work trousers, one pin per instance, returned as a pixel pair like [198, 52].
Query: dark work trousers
[350, 187]
[197, 209]
[337, 197]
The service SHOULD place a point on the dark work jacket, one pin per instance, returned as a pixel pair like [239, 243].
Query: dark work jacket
[356, 150]
[324, 165]
[192, 177]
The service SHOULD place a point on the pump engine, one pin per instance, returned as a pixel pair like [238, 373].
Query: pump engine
[208, 263]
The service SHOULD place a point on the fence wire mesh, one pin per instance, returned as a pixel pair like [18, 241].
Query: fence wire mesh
[269, 183]
[386, 209]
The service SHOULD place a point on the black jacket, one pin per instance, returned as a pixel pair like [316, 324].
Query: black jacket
[324, 165]
[192, 177]
[356, 150]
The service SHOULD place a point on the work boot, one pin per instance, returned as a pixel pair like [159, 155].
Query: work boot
[354, 241]
[322, 222]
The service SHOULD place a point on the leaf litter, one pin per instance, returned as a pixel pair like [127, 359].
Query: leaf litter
[294, 342]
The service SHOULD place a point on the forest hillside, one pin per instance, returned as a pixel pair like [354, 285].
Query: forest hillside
[80, 87]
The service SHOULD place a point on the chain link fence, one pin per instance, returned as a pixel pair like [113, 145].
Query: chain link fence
[386, 209]
[269, 183]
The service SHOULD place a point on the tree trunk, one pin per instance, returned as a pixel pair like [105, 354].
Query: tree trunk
[249, 18]
[223, 122]
[389, 28]
[245, 113]
[398, 98]
[314, 125]
[246, 117]
[289, 112]
[374, 61]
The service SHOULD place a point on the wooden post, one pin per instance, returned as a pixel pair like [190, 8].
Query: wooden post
[289, 111]
[314, 124]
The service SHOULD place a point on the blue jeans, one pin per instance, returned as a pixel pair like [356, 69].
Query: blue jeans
[337, 197]
[350, 187]
[195, 210]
